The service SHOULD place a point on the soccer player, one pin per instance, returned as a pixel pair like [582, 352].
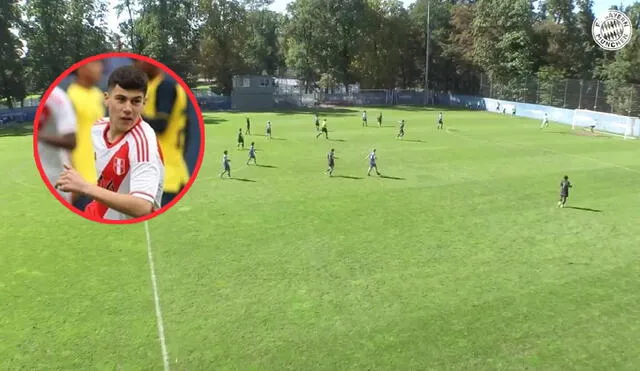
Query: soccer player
[331, 159]
[545, 122]
[56, 136]
[565, 184]
[248, 131]
[317, 122]
[440, 121]
[252, 154]
[324, 130]
[268, 135]
[240, 138]
[401, 132]
[129, 161]
[166, 111]
[364, 118]
[380, 119]
[226, 167]
[88, 103]
[372, 162]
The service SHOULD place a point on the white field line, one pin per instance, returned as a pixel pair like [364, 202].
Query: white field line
[156, 299]
[514, 144]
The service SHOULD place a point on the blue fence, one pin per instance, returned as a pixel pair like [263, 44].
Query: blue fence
[603, 121]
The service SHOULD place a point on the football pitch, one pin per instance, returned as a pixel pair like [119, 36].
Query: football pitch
[456, 258]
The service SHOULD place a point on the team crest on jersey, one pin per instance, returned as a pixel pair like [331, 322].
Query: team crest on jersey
[119, 166]
[612, 31]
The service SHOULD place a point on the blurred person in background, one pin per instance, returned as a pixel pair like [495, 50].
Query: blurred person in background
[56, 132]
[166, 111]
[88, 102]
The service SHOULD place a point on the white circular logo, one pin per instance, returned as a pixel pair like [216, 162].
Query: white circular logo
[612, 31]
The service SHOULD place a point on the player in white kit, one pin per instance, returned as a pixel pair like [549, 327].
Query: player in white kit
[128, 158]
[56, 136]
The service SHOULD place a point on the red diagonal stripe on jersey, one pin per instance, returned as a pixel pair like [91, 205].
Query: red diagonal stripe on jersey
[145, 144]
[111, 178]
[138, 141]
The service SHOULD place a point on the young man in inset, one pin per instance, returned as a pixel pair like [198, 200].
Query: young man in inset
[128, 158]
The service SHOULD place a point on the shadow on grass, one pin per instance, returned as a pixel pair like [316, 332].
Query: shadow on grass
[583, 209]
[391, 177]
[208, 120]
[16, 130]
[267, 166]
[327, 111]
[337, 140]
[244, 180]
[347, 177]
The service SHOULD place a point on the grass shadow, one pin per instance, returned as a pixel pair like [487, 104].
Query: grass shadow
[391, 177]
[328, 111]
[337, 140]
[16, 130]
[583, 209]
[267, 166]
[208, 120]
[347, 177]
[244, 180]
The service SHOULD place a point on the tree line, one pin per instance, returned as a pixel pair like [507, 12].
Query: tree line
[380, 44]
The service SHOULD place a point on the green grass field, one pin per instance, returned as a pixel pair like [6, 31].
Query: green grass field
[458, 259]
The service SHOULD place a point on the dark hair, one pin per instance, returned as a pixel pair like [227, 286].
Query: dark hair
[566, 177]
[128, 78]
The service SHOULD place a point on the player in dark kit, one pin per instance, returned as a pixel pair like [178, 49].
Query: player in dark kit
[401, 132]
[240, 139]
[252, 154]
[380, 119]
[248, 127]
[440, 122]
[317, 122]
[565, 184]
[331, 160]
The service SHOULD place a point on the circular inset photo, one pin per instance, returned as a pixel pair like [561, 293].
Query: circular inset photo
[118, 138]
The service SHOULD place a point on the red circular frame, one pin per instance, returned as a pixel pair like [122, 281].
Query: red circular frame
[168, 71]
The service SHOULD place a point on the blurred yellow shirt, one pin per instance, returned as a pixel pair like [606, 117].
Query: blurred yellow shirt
[172, 139]
[89, 107]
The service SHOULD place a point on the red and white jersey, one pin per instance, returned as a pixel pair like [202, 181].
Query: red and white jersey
[131, 165]
[57, 118]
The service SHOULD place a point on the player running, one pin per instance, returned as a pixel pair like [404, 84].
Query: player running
[317, 122]
[268, 134]
[440, 122]
[240, 139]
[401, 132]
[380, 119]
[331, 160]
[545, 122]
[364, 118]
[248, 131]
[252, 154]
[372, 162]
[324, 130]
[226, 166]
[565, 184]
